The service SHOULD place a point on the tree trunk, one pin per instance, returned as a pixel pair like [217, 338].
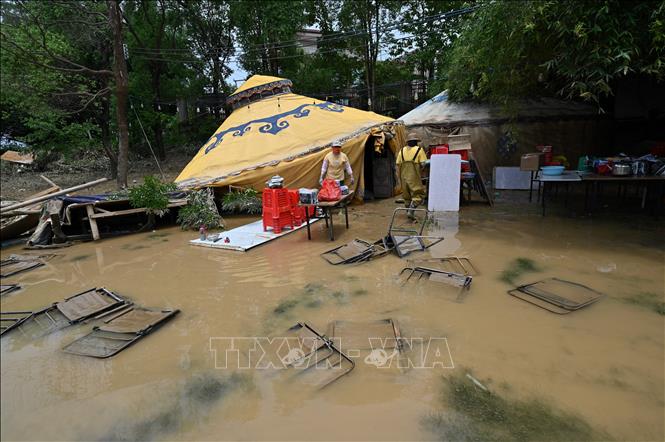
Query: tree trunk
[121, 91]
[157, 124]
[216, 79]
[159, 138]
[156, 72]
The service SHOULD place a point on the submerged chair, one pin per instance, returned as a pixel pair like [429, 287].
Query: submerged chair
[72, 310]
[119, 332]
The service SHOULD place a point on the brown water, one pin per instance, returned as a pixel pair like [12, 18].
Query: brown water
[604, 363]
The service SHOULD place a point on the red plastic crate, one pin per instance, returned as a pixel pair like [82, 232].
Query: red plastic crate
[298, 212]
[440, 150]
[277, 210]
[466, 167]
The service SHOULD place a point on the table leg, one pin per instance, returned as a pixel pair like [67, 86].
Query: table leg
[346, 215]
[332, 230]
[538, 195]
[661, 195]
[565, 198]
[309, 232]
[586, 196]
[598, 196]
[542, 197]
[531, 186]
[93, 222]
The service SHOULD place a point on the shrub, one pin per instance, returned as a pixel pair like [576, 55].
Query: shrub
[200, 209]
[246, 201]
[153, 195]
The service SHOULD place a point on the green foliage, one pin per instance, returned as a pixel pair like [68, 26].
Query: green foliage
[48, 108]
[261, 26]
[424, 46]
[200, 210]
[246, 201]
[578, 50]
[152, 194]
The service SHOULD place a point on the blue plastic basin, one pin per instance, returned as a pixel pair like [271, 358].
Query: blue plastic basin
[552, 170]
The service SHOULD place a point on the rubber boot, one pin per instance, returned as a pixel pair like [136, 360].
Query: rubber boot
[410, 213]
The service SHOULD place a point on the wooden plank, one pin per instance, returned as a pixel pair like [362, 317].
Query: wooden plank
[107, 214]
[32, 201]
[116, 213]
[93, 223]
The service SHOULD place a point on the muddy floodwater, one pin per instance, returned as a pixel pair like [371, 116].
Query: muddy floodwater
[601, 366]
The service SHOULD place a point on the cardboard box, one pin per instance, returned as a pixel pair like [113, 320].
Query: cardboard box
[459, 142]
[531, 161]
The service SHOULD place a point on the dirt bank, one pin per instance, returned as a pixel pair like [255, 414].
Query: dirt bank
[18, 182]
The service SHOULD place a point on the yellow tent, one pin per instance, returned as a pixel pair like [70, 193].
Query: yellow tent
[275, 132]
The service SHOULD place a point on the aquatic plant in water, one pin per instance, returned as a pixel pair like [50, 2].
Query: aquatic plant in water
[196, 395]
[652, 301]
[482, 415]
[517, 268]
[285, 306]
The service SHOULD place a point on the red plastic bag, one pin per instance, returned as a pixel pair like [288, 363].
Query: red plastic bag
[330, 191]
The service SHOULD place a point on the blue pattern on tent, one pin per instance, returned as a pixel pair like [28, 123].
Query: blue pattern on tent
[273, 124]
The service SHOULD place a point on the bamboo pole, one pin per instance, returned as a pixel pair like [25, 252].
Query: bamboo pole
[49, 181]
[53, 195]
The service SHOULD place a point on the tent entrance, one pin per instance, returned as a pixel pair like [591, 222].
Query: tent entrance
[379, 171]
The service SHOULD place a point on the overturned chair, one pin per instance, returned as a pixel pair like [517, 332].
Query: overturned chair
[557, 295]
[91, 303]
[119, 332]
[15, 264]
[318, 361]
[405, 238]
[355, 251]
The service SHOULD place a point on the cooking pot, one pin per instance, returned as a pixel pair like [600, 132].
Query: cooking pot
[622, 170]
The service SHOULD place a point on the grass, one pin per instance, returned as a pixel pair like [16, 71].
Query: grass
[314, 295]
[312, 288]
[285, 306]
[481, 415]
[157, 235]
[517, 268]
[133, 247]
[196, 395]
[651, 301]
[313, 303]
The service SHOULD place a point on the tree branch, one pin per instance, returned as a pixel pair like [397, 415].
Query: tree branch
[30, 58]
[93, 97]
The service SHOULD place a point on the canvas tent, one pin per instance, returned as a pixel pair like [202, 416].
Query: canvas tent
[273, 131]
[572, 129]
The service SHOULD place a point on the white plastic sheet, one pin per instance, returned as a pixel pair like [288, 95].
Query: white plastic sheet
[444, 183]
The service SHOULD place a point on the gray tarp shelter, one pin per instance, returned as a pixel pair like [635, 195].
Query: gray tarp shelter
[573, 129]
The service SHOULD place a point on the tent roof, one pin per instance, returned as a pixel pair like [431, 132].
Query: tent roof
[257, 80]
[274, 129]
[440, 111]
